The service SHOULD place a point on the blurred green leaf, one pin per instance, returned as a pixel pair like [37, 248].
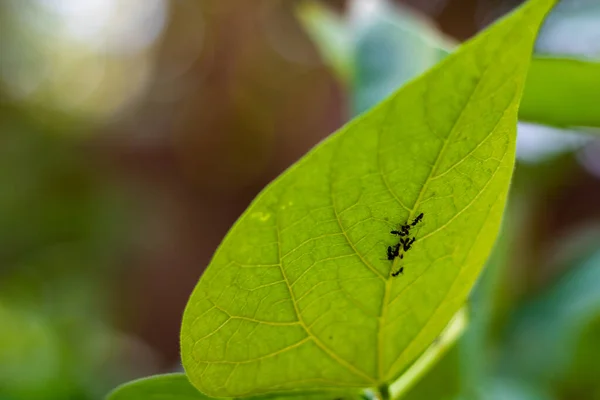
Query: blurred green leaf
[25, 337]
[437, 364]
[178, 387]
[562, 92]
[507, 389]
[330, 32]
[544, 335]
[442, 382]
[159, 387]
[581, 381]
[389, 46]
[299, 294]
[392, 46]
[60, 225]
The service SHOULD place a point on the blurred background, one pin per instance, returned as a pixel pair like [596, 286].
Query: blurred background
[133, 133]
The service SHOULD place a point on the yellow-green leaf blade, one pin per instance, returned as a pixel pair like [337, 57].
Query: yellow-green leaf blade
[300, 293]
[159, 387]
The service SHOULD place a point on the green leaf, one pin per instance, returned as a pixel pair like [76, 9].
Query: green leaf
[442, 382]
[330, 32]
[582, 377]
[159, 387]
[544, 334]
[391, 48]
[440, 351]
[300, 294]
[461, 371]
[562, 92]
[178, 387]
[25, 336]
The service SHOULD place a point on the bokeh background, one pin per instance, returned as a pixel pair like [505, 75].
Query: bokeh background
[133, 133]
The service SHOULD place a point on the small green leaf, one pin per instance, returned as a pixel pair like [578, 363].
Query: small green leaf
[178, 387]
[159, 387]
[300, 293]
[562, 92]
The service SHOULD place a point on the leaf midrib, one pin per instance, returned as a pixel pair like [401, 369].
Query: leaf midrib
[432, 171]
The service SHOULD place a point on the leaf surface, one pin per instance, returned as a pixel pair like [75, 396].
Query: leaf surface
[158, 387]
[300, 294]
[178, 387]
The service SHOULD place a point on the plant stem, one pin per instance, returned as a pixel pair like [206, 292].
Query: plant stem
[384, 392]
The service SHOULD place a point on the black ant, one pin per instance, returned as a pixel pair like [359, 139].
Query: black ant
[404, 231]
[405, 242]
[392, 252]
[417, 220]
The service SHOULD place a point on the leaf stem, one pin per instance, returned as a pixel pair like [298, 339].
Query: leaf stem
[384, 392]
[433, 354]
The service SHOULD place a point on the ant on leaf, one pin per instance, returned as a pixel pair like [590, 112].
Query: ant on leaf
[405, 242]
